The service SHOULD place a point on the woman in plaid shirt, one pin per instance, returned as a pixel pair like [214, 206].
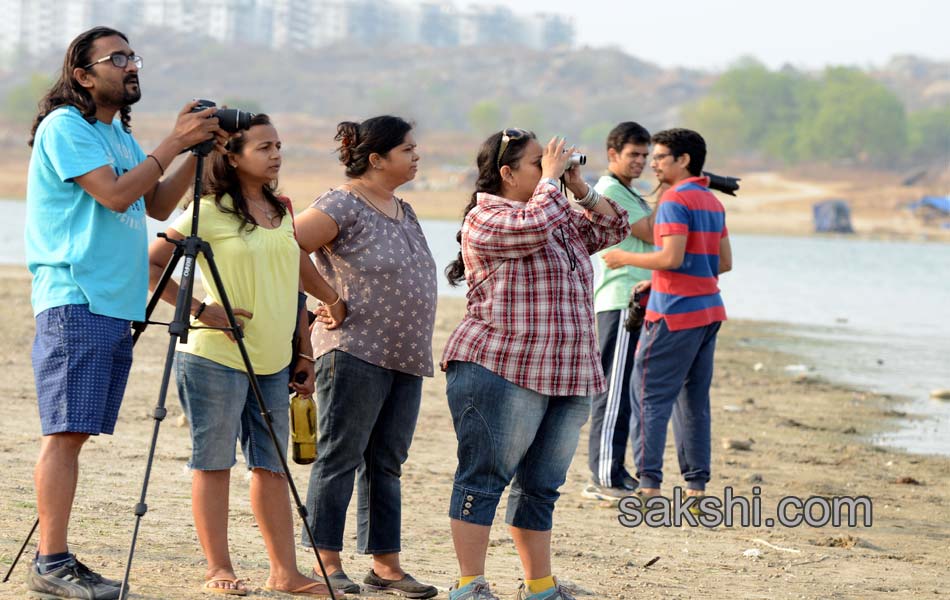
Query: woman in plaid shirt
[524, 361]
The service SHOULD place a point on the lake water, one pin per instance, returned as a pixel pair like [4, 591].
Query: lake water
[873, 314]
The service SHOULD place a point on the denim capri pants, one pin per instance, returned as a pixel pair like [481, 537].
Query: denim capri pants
[509, 434]
[221, 409]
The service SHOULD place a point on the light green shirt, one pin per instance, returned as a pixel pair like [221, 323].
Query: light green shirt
[260, 270]
[613, 286]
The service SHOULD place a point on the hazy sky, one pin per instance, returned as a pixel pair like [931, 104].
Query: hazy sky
[712, 33]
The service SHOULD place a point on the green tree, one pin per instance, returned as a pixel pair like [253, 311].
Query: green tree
[928, 135]
[485, 117]
[856, 119]
[21, 102]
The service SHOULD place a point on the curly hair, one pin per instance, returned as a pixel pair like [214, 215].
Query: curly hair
[67, 91]
[377, 135]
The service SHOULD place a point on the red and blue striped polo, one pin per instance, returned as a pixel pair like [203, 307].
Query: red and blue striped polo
[689, 297]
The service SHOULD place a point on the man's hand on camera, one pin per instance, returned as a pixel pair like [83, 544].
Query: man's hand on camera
[555, 158]
[643, 286]
[192, 128]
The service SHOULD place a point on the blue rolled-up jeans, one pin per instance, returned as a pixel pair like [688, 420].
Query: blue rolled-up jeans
[509, 434]
[366, 416]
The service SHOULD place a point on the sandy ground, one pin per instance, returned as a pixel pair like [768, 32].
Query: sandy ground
[810, 438]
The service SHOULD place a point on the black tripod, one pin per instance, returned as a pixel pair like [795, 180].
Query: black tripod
[189, 248]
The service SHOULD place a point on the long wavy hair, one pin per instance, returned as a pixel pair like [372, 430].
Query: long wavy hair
[489, 181]
[223, 179]
[67, 91]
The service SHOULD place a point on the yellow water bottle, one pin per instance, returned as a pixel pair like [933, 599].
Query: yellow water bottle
[303, 429]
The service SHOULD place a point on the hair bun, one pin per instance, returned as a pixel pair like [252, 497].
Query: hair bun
[348, 134]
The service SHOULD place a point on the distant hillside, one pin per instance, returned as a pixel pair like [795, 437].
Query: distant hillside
[562, 91]
[578, 92]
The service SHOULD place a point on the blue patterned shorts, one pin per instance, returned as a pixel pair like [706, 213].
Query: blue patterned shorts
[81, 363]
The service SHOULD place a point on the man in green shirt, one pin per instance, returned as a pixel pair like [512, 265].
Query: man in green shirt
[628, 146]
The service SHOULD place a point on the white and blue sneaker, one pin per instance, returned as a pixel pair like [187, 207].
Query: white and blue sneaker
[557, 592]
[478, 589]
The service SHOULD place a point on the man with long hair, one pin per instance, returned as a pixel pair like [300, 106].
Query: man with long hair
[89, 189]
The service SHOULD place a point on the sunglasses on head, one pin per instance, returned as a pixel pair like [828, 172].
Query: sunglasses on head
[507, 136]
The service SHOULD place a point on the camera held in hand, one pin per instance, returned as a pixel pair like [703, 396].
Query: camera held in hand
[636, 310]
[231, 120]
[576, 159]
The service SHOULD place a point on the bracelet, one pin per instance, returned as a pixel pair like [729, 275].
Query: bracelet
[591, 199]
[157, 162]
[201, 309]
[335, 302]
[307, 357]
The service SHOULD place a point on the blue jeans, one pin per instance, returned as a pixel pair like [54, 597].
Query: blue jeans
[509, 434]
[367, 415]
[221, 409]
[672, 373]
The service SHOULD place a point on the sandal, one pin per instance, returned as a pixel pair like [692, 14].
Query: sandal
[211, 588]
[305, 591]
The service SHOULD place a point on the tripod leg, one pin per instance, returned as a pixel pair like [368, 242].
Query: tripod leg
[265, 414]
[177, 330]
[139, 328]
[20, 553]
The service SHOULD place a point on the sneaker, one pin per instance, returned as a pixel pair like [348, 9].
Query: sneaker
[478, 589]
[610, 494]
[338, 581]
[95, 577]
[71, 580]
[555, 593]
[407, 586]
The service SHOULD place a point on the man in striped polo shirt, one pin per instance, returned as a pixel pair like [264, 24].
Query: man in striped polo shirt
[683, 316]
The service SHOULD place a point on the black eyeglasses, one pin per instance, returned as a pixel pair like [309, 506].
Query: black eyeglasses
[506, 136]
[661, 156]
[119, 60]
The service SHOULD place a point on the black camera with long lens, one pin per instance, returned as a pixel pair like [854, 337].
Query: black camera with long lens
[231, 120]
[723, 183]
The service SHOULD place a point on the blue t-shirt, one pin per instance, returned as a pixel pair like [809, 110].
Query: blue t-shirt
[79, 251]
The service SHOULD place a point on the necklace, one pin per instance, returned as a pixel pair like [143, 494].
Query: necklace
[265, 208]
[380, 210]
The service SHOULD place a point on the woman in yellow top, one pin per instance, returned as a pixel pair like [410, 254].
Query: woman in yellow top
[251, 233]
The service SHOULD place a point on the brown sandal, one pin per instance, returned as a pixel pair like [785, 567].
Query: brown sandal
[210, 588]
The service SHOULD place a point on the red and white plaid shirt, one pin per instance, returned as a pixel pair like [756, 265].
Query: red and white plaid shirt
[530, 317]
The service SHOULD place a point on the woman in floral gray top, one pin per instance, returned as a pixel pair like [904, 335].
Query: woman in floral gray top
[377, 346]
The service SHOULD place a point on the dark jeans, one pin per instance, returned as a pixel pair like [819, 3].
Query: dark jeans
[671, 378]
[367, 415]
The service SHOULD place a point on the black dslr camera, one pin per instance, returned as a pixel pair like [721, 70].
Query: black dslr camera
[723, 183]
[231, 120]
[636, 310]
